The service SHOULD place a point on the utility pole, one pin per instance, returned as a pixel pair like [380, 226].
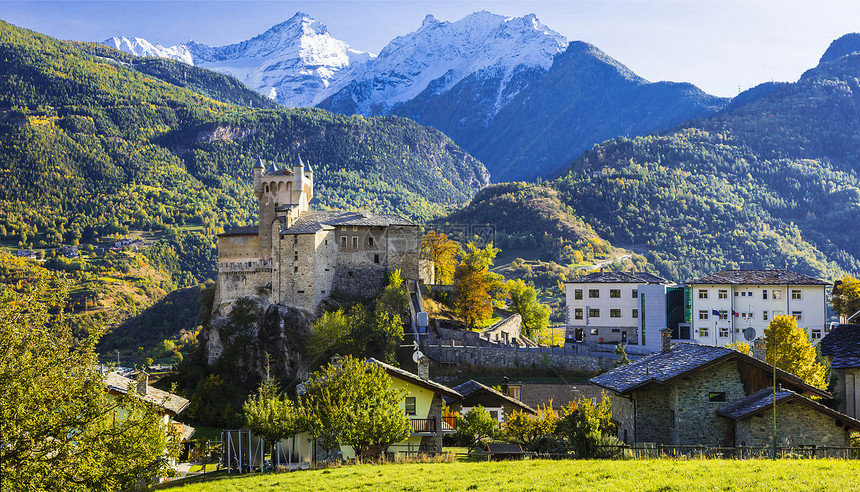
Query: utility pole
[774, 408]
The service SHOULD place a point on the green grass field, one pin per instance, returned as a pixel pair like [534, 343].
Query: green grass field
[573, 475]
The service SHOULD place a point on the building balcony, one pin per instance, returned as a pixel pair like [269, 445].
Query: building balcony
[428, 427]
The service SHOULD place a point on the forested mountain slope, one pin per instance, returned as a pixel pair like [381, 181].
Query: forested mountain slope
[772, 183]
[91, 146]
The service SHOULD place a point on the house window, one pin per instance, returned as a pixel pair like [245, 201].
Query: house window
[795, 294]
[410, 405]
[635, 293]
[764, 315]
[736, 293]
[577, 313]
[354, 242]
[723, 294]
[343, 241]
[777, 313]
[593, 313]
[594, 331]
[577, 294]
[494, 414]
[703, 331]
[816, 334]
[717, 397]
[614, 313]
[354, 228]
[593, 293]
[635, 313]
[614, 293]
[777, 294]
[764, 294]
[724, 314]
[724, 332]
[797, 315]
[370, 241]
[703, 294]
[703, 314]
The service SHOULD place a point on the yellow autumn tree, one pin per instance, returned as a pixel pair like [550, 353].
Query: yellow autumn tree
[845, 298]
[788, 348]
[442, 251]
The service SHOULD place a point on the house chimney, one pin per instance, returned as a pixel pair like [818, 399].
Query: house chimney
[142, 382]
[424, 368]
[665, 339]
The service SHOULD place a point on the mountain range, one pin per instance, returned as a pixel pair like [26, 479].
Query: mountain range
[509, 90]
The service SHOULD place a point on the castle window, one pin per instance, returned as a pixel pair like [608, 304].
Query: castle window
[295, 269]
[354, 242]
[296, 258]
[370, 241]
[300, 292]
[354, 228]
[376, 258]
[343, 241]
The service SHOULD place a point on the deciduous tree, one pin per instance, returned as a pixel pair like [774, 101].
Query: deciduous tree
[524, 301]
[476, 426]
[352, 402]
[789, 349]
[845, 297]
[442, 251]
[475, 286]
[60, 429]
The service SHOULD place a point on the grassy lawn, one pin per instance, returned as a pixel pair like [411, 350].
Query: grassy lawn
[644, 475]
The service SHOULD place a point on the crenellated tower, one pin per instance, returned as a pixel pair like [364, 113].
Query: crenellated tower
[282, 194]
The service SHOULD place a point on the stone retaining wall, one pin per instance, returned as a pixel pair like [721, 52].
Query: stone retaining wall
[511, 357]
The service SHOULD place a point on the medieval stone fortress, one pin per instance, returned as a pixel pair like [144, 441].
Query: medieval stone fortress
[298, 257]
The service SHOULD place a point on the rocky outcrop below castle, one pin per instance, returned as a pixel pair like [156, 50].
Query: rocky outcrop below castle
[252, 336]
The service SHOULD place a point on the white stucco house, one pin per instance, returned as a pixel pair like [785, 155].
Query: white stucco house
[737, 305]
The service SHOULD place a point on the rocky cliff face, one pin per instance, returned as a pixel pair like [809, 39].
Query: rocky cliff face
[254, 337]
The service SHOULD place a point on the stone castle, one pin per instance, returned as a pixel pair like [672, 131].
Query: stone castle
[299, 257]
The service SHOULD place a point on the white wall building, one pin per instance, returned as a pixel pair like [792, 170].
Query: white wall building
[725, 304]
[615, 307]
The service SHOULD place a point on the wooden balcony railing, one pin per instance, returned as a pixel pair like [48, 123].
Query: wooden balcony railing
[449, 423]
[423, 426]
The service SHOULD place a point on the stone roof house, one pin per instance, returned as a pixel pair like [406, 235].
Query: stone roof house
[690, 394]
[842, 346]
[497, 403]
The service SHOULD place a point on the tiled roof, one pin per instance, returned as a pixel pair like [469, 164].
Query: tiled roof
[763, 400]
[754, 402]
[619, 278]
[542, 394]
[682, 359]
[242, 231]
[172, 404]
[472, 386]
[758, 277]
[414, 379]
[843, 344]
[315, 220]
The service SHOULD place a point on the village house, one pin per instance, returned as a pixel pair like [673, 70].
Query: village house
[498, 404]
[691, 394]
[842, 347]
[737, 305]
[299, 257]
[170, 405]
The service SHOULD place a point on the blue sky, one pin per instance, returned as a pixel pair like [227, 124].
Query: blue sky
[719, 45]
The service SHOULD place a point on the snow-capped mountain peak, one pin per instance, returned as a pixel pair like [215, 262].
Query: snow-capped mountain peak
[293, 62]
[442, 54]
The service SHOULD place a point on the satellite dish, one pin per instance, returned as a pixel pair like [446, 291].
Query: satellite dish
[749, 334]
[417, 356]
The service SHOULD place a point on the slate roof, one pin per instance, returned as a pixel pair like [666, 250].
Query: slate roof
[414, 379]
[682, 359]
[503, 448]
[619, 278]
[316, 220]
[242, 231]
[763, 401]
[472, 386]
[559, 395]
[758, 277]
[170, 403]
[843, 344]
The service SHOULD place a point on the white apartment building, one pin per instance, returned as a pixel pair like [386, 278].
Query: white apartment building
[615, 307]
[725, 305]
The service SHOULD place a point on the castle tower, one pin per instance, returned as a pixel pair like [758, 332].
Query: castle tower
[268, 204]
[258, 174]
